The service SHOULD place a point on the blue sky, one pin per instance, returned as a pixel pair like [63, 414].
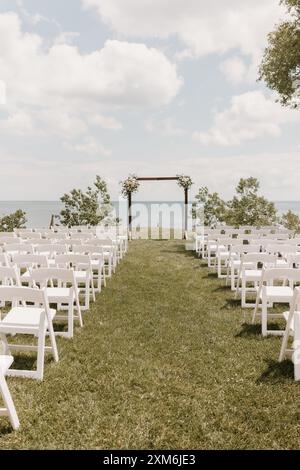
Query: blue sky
[153, 87]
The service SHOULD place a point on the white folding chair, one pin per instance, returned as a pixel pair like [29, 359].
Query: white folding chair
[290, 327]
[83, 274]
[97, 262]
[234, 261]
[61, 289]
[268, 293]
[27, 261]
[250, 272]
[9, 409]
[222, 254]
[34, 319]
[109, 253]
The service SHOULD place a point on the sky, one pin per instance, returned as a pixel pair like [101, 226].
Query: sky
[149, 87]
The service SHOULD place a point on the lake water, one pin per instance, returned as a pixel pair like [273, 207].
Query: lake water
[39, 213]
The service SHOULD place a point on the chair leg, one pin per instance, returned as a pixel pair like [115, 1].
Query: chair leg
[41, 349]
[78, 310]
[243, 293]
[256, 307]
[5, 344]
[8, 403]
[232, 278]
[71, 318]
[264, 316]
[53, 342]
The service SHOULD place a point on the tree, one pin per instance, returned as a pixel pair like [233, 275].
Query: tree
[280, 67]
[86, 208]
[15, 220]
[291, 221]
[248, 208]
[214, 207]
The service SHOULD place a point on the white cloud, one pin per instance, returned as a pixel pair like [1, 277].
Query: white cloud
[105, 122]
[2, 93]
[249, 116]
[35, 18]
[234, 69]
[164, 126]
[203, 27]
[89, 147]
[18, 123]
[121, 74]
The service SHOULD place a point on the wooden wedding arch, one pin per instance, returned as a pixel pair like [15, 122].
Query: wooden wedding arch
[160, 178]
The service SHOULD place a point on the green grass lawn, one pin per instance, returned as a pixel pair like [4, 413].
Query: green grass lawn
[165, 360]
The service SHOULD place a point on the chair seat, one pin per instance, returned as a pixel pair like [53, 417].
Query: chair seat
[25, 317]
[57, 293]
[5, 363]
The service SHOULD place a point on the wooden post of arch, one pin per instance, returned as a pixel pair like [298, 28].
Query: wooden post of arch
[130, 215]
[186, 202]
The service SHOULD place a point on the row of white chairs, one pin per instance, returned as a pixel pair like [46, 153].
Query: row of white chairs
[269, 270]
[31, 284]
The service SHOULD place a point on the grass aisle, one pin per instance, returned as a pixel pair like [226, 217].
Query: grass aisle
[164, 361]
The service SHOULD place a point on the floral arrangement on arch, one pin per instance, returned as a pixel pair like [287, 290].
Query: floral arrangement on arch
[130, 185]
[184, 181]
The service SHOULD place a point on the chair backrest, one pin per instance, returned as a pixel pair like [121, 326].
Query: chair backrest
[9, 276]
[15, 294]
[57, 235]
[30, 260]
[22, 231]
[77, 261]
[82, 236]
[75, 241]
[9, 240]
[19, 248]
[43, 276]
[7, 234]
[81, 249]
[278, 236]
[248, 237]
[265, 259]
[227, 242]
[39, 241]
[281, 248]
[31, 236]
[51, 249]
[293, 259]
[290, 274]
[240, 249]
[100, 241]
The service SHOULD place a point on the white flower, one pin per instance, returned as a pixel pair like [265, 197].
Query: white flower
[184, 181]
[130, 185]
